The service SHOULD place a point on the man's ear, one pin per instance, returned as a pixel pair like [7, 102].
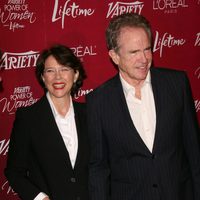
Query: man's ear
[114, 56]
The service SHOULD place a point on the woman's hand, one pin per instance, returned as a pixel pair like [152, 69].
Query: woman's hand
[46, 198]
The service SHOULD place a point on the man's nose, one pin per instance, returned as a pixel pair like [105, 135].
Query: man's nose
[143, 57]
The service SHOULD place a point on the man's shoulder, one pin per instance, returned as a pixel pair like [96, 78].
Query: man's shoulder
[166, 71]
[171, 77]
[105, 87]
[79, 106]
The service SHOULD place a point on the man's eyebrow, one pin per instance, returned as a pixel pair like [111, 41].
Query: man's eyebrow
[148, 48]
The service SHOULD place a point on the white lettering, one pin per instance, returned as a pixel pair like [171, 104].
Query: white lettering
[197, 105]
[11, 106]
[168, 4]
[197, 42]
[21, 97]
[197, 72]
[19, 60]
[14, 13]
[81, 51]
[8, 189]
[122, 7]
[167, 40]
[82, 92]
[4, 147]
[73, 10]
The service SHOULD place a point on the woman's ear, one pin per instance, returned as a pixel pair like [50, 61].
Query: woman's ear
[42, 77]
[76, 76]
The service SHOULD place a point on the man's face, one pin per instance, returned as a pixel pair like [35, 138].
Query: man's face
[134, 56]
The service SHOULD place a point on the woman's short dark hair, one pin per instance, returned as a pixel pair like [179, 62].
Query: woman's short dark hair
[125, 20]
[64, 56]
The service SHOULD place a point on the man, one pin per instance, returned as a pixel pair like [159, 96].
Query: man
[143, 130]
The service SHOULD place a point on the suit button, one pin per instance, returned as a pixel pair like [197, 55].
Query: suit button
[155, 185]
[72, 179]
[153, 156]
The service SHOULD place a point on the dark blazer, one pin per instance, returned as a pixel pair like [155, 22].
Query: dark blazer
[121, 166]
[38, 160]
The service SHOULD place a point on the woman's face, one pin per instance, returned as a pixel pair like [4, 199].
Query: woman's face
[58, 79]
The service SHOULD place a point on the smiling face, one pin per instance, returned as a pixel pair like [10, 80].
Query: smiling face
[58, 79]
[134, 56]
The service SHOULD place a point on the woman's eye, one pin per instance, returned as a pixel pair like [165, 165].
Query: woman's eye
[50, 71]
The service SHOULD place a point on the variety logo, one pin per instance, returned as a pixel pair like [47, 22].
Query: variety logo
[69, 9]
[14, 14]
[4, 145]
[166, 40]
[82, 92]
[197, 42]
[119, 8]
[21, 97]
[197, 105]
[169, 6]
[19, 60]
[29, 58]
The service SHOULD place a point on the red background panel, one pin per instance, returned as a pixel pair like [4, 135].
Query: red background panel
[27, 27]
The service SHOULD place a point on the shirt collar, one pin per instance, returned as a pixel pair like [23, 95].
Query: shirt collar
[53, 108]
[127, 87]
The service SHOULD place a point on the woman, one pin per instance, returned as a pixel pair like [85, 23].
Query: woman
[48, 153]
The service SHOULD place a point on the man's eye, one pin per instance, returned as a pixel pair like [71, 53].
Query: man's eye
[134, 52]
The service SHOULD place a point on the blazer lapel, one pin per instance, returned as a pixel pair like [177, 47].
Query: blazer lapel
[53, 132]
[81, 126]
[157, 91]
[132, 132]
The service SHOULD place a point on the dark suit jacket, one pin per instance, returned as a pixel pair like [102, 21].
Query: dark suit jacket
[121, 166]
[38, 160]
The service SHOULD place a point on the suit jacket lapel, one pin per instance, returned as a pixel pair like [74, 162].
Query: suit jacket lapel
[78, 128]
[81, 126]
[53, 132]
[122, 105]
[157, 91]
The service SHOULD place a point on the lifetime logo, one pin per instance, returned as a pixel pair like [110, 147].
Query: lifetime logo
[69, 9]
[166, 40]
[123, 7]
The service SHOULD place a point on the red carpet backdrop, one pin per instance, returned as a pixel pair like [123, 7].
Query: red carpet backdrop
[27, 27]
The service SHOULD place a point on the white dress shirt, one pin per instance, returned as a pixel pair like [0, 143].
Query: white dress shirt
[67, 128]
[142, 110]
[68, 131]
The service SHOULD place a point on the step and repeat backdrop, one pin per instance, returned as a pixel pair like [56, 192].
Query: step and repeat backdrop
[27, 27]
